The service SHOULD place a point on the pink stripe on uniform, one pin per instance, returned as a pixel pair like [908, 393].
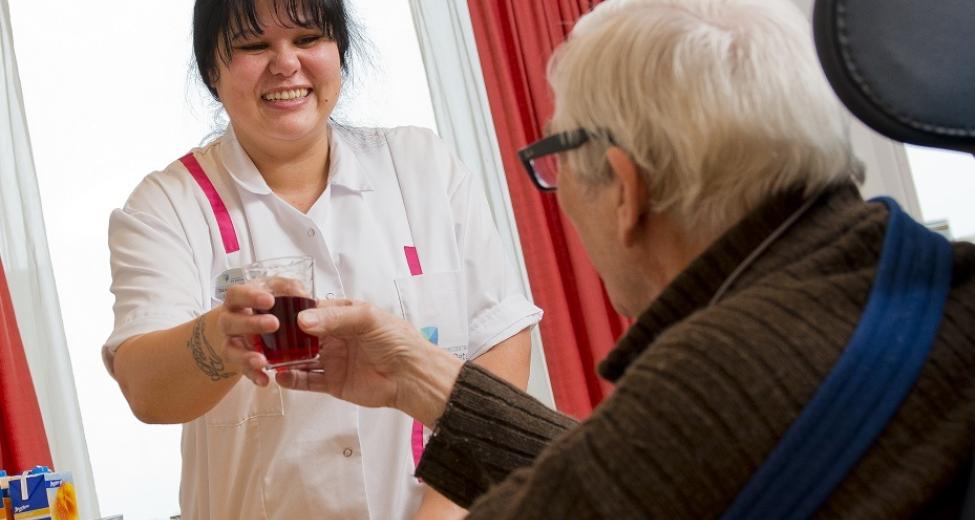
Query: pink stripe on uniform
[413, 260]
[224, 223]
[416, 440]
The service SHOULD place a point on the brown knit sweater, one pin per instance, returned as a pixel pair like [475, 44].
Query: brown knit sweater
[704, 393]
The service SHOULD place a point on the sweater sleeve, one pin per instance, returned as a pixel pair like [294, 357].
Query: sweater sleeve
[488, 430]
[504, 455]
[679, 436]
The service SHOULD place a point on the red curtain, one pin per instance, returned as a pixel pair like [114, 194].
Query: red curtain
[23, 442]
[515, 39]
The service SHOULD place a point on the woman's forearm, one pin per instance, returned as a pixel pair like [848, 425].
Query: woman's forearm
[510, 359]
[434, 506]
[175, 375]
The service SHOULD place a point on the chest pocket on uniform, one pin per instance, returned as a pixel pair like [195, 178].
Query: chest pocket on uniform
[436, 304]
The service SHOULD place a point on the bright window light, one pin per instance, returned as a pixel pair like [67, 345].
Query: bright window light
[945, 183]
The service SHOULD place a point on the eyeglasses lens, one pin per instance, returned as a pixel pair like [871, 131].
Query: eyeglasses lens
[547, 170]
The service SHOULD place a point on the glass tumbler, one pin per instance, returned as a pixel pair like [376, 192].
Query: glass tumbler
[291, 280]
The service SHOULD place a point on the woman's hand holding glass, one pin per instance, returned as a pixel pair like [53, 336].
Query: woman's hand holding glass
[238, 322]
[372, 358]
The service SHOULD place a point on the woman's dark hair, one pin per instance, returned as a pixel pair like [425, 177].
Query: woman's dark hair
[215, 22]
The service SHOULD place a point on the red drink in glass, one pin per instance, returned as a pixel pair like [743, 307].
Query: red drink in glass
[291, 280]
[289, 343]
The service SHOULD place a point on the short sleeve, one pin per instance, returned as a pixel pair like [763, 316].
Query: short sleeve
[155, 277]
[497, 307]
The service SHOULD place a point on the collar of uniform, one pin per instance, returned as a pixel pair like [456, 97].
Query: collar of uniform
[344, 169]
[240, 166]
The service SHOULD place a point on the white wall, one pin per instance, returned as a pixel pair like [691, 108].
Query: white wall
[108, 100]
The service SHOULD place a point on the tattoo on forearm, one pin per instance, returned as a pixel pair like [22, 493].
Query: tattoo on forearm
[204, 354]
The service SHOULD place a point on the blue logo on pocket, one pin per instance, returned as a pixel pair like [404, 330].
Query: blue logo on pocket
[432, 334]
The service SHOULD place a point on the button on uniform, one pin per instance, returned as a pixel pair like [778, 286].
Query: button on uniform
[347, 452]
[311, 233]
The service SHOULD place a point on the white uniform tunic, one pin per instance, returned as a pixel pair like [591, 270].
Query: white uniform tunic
[398, 203]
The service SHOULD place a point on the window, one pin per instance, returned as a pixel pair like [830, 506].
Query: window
[945, 183]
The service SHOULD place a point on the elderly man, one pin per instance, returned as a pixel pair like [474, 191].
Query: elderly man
[704, 161]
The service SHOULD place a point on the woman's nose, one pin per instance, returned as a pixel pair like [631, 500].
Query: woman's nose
[285, 62]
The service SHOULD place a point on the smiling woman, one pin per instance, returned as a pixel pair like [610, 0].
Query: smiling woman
[277, 69]
[278, 75]
[87, 142]
[386, 214]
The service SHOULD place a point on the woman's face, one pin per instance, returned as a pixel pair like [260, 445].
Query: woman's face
[280, 87]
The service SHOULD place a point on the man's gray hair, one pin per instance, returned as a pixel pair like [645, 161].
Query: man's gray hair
[721, 103]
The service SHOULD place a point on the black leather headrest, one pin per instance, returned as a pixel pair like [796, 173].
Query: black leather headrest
[906, 68]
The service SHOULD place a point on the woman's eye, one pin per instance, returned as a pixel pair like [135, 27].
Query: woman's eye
[308, 40]
[250, 47]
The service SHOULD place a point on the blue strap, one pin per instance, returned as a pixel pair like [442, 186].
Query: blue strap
[868, 383]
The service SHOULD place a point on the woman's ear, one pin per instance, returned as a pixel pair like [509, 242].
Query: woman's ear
[633, 200]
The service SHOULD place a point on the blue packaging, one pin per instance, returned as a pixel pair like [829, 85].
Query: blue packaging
[41, 494]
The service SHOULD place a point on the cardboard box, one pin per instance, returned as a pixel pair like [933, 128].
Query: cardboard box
[43, 495]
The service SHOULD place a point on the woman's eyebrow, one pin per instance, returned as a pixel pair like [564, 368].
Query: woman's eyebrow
[243, 35]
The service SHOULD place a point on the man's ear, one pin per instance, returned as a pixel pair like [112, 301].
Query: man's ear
[633, 200]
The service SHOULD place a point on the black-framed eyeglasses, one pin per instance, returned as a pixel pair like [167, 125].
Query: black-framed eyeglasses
[541, 158]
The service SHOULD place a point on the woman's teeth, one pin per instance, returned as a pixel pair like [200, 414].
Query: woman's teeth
[286, 95]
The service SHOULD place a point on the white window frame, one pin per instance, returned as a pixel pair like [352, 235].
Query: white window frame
[463, 115]
[888, 171]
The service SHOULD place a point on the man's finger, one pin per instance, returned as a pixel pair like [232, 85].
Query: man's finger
[338, 302]
[339, 319]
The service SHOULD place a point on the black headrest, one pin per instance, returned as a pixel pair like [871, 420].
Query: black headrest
[906, 68]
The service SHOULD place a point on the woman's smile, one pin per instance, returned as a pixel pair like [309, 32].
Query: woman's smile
[287, 99]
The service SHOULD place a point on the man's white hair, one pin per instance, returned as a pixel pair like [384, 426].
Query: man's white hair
[721, 103]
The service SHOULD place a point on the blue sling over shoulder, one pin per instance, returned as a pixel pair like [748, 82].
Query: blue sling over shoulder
[868, 383]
